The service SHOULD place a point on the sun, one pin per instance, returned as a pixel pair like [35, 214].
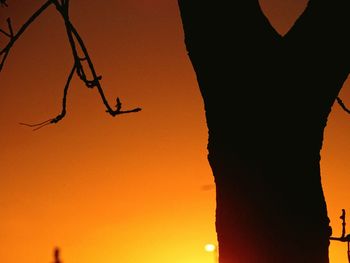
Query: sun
[210, 247]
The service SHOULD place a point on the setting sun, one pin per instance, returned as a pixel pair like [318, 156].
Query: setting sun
[210, 247]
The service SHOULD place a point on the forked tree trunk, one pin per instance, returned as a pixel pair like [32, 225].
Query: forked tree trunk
[267, 99]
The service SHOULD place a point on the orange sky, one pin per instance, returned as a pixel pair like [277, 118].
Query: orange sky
[132, 188]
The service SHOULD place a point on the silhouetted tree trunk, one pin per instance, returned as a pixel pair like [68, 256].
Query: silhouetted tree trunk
[267, 99]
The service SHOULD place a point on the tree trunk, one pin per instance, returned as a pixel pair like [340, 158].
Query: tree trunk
[267, 99]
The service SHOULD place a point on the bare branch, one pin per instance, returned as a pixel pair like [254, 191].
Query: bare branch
[75, 41]
[14, 37]
[73, 35]
[96, 78]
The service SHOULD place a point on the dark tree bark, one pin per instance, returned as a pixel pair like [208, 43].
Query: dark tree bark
[267, 98]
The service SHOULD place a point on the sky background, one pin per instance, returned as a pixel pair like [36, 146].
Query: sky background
[135, 188]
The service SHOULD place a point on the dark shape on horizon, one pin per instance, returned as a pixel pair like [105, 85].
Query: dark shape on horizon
[56, 255]
[267, 98]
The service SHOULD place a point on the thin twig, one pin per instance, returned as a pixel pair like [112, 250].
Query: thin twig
[5, 33]
[64, 99]
[342, 105]
[9, 24]
[35, 124]
[64, 107]
[14, 37]
[3, 60]
[341, 239]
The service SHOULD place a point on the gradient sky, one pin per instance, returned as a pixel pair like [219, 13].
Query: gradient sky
[136, 188]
